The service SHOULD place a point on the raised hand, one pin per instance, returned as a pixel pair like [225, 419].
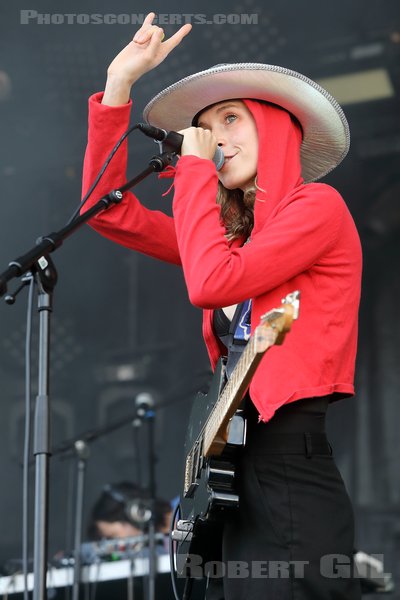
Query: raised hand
[145, 52]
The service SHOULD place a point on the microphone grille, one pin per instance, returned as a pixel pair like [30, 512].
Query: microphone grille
[219, 158]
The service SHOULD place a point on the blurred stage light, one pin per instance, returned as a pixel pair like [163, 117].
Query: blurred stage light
[382, 218]
[5, 86]
[360, 86]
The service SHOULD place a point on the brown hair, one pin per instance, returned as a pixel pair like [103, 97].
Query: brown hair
[237, 211]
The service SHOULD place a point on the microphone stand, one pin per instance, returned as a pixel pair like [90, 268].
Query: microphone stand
[46, 279]
[82, 453]
[150, 416]
[37, 260]
[146, 412]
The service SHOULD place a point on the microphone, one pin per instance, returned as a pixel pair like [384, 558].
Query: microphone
[174, 140]
[144, 402]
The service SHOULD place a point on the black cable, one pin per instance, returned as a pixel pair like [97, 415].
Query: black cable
[101, 172]
[27, 440]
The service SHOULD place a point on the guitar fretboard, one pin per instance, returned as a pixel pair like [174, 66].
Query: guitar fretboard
[232, 394]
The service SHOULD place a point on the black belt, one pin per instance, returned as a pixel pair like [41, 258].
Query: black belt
[288, 443]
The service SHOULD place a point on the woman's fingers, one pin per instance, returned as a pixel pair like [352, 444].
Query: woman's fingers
[149, 31]
[144, 36]
[152, 38]
[149, 19]
[156, 37]
[199, 142]
[176, 39]
[147, 23]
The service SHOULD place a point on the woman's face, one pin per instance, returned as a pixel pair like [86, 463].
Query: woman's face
[233, 125]
[116, 529]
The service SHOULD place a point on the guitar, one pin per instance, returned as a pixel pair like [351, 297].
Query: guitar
[217, 430]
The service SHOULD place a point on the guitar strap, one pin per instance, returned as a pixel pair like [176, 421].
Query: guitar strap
[239, 334]
[240, 324]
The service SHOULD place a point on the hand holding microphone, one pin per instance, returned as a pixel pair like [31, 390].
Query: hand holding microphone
[193, 140]
[200, 142]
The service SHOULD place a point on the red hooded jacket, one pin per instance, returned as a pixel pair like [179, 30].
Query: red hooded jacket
[304, 238]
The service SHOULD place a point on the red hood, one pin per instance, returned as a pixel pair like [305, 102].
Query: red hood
[279, 167]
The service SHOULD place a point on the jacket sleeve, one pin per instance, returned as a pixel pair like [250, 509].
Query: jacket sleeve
[218, 274]
[128, 223]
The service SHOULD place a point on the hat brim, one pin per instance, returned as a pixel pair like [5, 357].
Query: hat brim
[326, 136]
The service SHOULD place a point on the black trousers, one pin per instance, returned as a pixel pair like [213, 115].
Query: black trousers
[293, 536]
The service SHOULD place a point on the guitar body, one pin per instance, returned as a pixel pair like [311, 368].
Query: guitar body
[212, 488]
[216, 432]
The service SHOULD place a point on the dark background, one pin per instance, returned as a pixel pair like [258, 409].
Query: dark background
[122, 322]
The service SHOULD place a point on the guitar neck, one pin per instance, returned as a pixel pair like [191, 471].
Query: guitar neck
[214, 431]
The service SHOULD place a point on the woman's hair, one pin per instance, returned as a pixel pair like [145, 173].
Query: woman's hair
[237, 211]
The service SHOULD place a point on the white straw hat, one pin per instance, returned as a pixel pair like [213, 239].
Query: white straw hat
[326, 136]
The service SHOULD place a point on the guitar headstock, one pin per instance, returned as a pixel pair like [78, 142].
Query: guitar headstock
[278, 321]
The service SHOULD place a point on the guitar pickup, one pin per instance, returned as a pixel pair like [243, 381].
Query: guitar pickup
[237, 430]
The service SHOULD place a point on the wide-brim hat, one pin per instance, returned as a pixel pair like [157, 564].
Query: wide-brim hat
[326, 136]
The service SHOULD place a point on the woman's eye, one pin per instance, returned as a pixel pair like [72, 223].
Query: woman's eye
[230, 118]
